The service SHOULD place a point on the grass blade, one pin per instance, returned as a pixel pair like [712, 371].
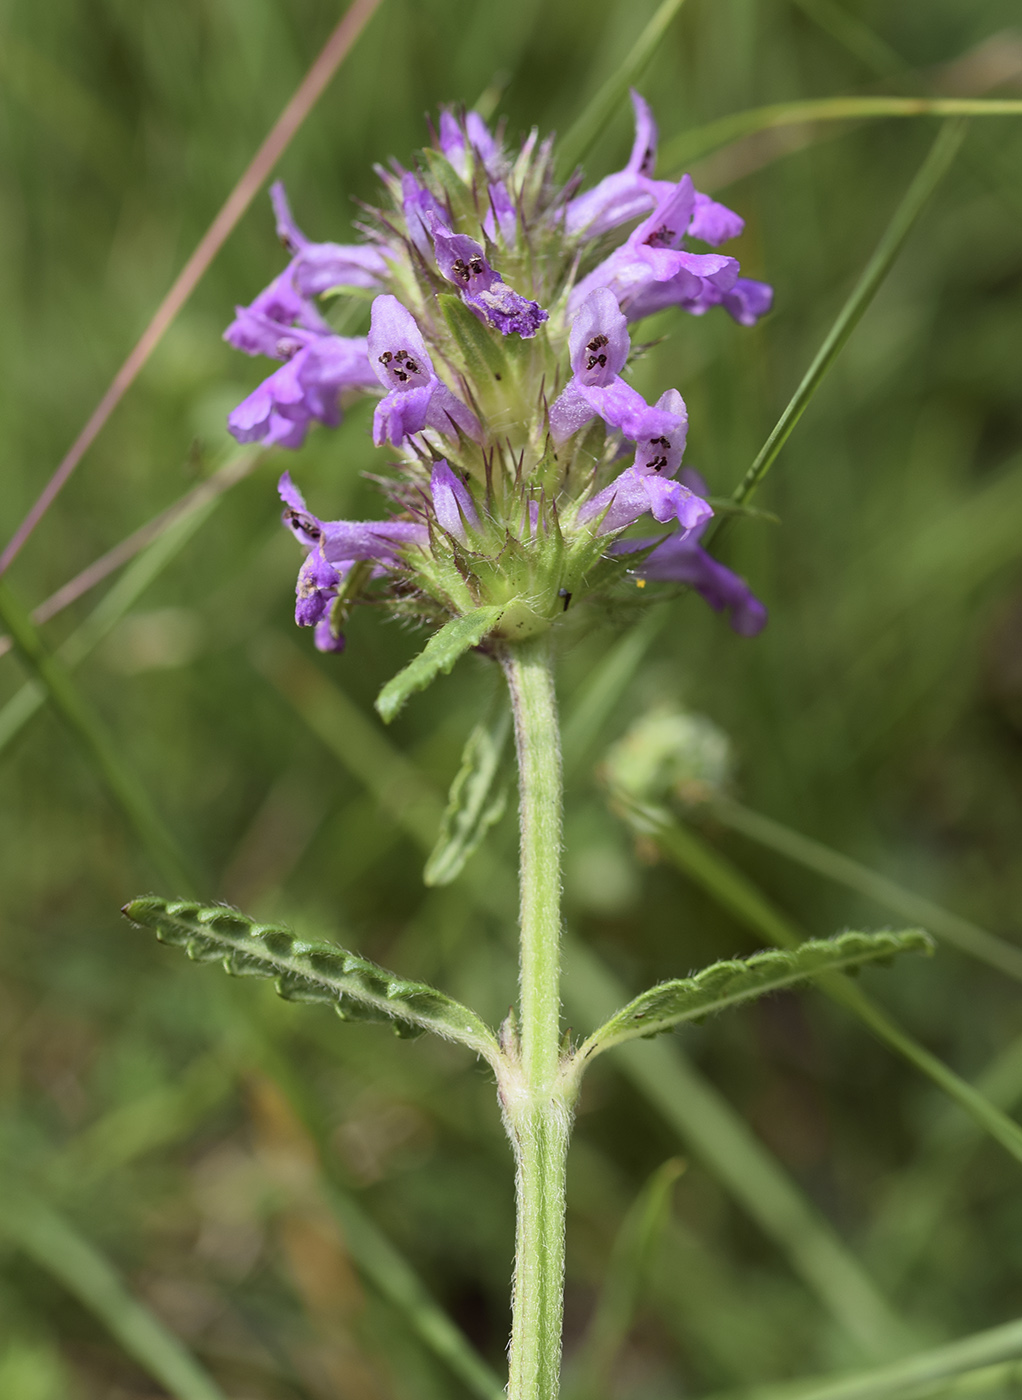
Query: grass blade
[58, 1248]
[91, 735]
[736, 892]
[920, 1374]
[678, 153]
[311, 88]
[832, 865]
[930, 173]
[590, 125]
[164, 539]
[715, 1132]
[638, 1236]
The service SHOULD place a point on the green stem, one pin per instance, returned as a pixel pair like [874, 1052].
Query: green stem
[537, 1112]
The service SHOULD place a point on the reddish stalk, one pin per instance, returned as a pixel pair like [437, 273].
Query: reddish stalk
[311, 88]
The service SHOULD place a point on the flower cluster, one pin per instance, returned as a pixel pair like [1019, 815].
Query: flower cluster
[498, 346]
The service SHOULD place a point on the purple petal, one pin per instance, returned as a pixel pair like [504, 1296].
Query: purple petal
[679, 559]
[598, 342]
[569, 413]
[401, 413]
[642, 161]
[669, 221]
[280, 303]
[747, 301]
[462, 261]
[397, 351]
[315, 590]
[502, 215]
[451, 501]
[623, 407]
[287, 230]
[421, 212]
[662, 453]
[714, 223]
[508, 312]
[325, 639]
[258, 334]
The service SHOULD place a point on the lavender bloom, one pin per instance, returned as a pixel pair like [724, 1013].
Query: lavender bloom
[647, 486]
[422, 212]
[598, 344]
[626, 194]
[502, 215]
[463, 262]
[317, 267]
[306, 388]
[334, 546]
[459, 141]
[417, 398]
[452, 503]
[681, 559]
[653, 255]
[276, 309]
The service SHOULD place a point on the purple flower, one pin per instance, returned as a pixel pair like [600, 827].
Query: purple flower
[316, 267]
[422, 212]
[459, 141]
[652, 255]
[646, 485]
[681, 559]
[624, 195]
[452, 503]
[598, 344]
[278, 308]
[502, 215]
[334, 546]
[463, 262]
[306, 388]
[417, 398]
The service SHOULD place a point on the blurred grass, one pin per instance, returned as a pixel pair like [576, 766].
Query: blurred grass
[881, 713]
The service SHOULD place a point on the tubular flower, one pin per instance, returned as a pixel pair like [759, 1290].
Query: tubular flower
[496, 347]
[680, 558]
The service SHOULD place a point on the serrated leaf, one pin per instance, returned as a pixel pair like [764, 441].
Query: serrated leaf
[477, 801]
[440, 653]
[726, 984]
[313, 972]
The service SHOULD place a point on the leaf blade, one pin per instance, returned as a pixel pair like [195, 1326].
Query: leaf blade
[729, 983]
[476, 801]
[305, 971]
[439, 654]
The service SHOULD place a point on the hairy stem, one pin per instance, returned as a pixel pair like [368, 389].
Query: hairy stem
[537, 1114]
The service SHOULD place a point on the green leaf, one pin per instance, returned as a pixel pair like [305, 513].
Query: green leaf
[726, 984]
[733, 889]
[439, 654]
[477, 800]
[311, 972]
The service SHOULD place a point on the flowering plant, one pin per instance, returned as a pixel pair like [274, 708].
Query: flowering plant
[499, 336]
